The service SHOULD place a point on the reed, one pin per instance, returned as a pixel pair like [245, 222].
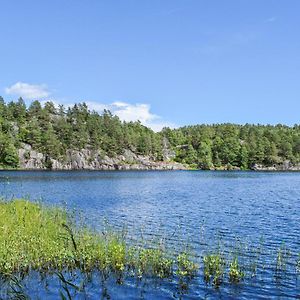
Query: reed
[34, 237]
[45, 239]
[214, 268]
[235, 271]
[298, 264]
[282, 257]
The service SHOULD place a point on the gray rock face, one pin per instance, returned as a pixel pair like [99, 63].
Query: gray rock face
[91, 160]
[168, 154]
[30, 159]
[285, 166]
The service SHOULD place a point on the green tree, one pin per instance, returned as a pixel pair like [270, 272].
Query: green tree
[8, 153]
[205, 156]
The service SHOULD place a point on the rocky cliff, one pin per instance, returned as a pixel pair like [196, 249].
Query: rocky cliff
[92, 160]
[285, 166]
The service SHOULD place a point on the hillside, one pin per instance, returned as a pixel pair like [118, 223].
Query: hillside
[50, 137]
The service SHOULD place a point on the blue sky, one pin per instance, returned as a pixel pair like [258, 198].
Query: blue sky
[164, 62]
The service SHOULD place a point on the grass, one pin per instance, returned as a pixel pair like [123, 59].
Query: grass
[283, 255]
[34, 237]
[214, 267]
[185, 265]
[298, 264]
[235, 272]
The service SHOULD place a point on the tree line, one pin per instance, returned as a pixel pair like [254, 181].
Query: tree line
[52, 130]
[231, 145]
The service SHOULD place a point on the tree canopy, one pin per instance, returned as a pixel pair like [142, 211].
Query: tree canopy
[52, 130]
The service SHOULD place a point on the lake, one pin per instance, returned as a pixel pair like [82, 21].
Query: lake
[234, 211]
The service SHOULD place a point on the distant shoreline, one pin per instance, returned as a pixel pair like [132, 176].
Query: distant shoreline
[149, 170]
[44, 136]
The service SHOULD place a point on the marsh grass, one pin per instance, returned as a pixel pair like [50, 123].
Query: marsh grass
[298, 264]
[214, 268]
[45, 239]
[283, 255]
[254, 254]
[231, 263]
[236, 264]
[49, 241]
[236, 273]
[186, 266]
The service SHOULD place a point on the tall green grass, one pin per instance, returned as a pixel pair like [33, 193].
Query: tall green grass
[34, 237]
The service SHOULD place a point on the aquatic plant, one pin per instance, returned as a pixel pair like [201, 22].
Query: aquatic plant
[34, 237]
[281, 259]
[186, 266]
[298, 264]
[154, 262]
[255, 258]
[214, 267]
[235, 271]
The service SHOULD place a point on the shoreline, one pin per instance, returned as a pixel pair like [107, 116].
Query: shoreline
[150, 170]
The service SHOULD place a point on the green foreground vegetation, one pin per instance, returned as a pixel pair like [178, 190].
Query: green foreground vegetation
[53, 130]
[34, 237]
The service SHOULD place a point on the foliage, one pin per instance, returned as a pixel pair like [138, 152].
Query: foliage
[186, 267]
[229, 145]
[44, 239]
[281, 259]
[235, 272]
[52, 130]
[214, 268]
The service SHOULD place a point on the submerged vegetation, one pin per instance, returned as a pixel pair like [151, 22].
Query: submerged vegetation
[52, 130]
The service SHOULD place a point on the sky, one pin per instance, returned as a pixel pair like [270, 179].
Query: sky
[167, 63]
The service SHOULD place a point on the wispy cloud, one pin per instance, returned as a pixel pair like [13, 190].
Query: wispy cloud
[227, 43]
[171, 11]
[270, 20]
[28, 91]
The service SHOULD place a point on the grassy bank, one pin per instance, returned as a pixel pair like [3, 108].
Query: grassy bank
[34, 237]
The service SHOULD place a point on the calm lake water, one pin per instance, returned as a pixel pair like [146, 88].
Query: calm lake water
[236, 211]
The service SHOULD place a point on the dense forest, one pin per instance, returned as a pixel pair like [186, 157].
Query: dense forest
[231, 145]
[53, 130]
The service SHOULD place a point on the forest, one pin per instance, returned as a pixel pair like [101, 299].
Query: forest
[52, 130]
